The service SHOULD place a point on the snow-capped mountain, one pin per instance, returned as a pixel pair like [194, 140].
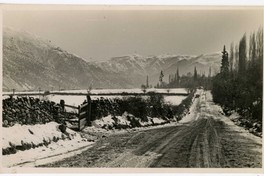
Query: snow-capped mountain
[30, 62]
[135, 67]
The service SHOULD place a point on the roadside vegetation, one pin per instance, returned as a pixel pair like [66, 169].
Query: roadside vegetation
[142, 108]
[238, 86]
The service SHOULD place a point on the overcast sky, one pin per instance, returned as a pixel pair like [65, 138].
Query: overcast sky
[101, 34]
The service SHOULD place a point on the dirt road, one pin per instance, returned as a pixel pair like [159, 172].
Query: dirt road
[204, 138]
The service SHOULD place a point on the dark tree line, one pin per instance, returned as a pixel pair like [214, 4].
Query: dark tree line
[238, 86]
[189, 81]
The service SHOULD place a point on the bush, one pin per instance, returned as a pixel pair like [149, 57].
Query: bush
[140, 107]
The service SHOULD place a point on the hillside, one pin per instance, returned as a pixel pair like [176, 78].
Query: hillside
[30, 63]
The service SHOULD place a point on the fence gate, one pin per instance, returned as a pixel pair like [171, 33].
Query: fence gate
[85, 114]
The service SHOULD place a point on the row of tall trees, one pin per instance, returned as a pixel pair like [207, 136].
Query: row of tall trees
[238, 86]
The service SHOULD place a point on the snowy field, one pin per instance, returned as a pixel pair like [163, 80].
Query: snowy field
[76, 100]
[174, 100]
[138, 90]
[105, 91]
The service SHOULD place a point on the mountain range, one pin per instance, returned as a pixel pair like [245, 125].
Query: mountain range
[32, 63]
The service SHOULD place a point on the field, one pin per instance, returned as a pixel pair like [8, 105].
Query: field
[76, 100]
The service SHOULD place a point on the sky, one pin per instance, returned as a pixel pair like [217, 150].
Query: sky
[102, 34]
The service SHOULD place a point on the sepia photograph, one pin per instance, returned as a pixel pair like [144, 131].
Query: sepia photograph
[132, 87]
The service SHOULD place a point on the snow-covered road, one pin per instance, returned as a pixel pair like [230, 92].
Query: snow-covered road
[204, 138]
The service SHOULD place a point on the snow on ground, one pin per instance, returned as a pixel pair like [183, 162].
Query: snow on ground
[220, 115]
[158, 120]
[110, 121]
[73, 100]
[24, 133]
[122, 120]
[5, 96]
[174, 100]
[144, 123]
[137, 90]
[99, 91]
[99, 132]
[54, 149]
[17, 133]
[192, 115]
[103, 121]
[76, 100]
[27, 92]
[234, 116]
[32, 156]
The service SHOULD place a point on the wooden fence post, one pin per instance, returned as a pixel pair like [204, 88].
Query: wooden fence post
[89, 101]
[79, 123]
[62, 103]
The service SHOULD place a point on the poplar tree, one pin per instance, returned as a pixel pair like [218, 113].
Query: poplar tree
[242, 55]
[225, 63]
[231, 60]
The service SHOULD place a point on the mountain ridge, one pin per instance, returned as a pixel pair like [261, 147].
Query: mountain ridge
[30, 63]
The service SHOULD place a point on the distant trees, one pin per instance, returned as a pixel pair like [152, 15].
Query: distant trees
[177, 77]
[147, 83]
[190, 81]
[195, 74]
[161, 76]
[144, 87]
[161, 83]
[238, 86]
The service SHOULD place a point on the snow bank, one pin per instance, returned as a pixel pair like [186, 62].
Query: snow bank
[158, 121]
[122, 120]
[34, 157]
[35, 134]
[23, 134]
[146, 123]
[234, 116]
[111, 121]
[125, 121]
[105, 121]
